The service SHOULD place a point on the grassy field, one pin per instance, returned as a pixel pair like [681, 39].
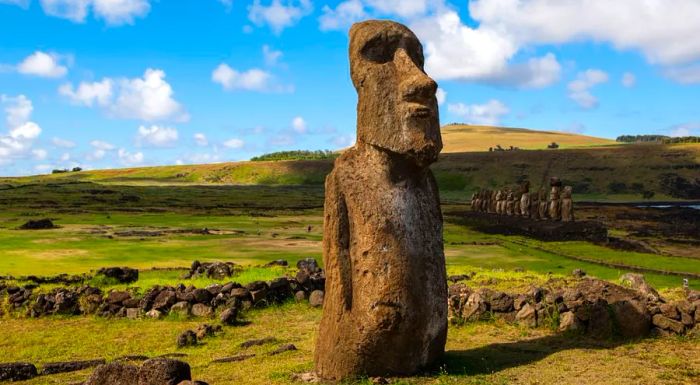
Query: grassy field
[468, 138]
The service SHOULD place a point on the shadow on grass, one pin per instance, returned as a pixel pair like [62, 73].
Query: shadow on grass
[496, 357]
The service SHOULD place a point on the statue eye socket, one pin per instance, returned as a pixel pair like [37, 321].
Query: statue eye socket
[380, 49]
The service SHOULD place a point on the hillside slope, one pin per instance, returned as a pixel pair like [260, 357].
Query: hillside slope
[468, 138]
[603, 172]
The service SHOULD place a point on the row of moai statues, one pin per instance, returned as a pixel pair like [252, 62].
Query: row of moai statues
[557, 207]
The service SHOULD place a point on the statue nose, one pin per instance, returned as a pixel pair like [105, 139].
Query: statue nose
[415, 85]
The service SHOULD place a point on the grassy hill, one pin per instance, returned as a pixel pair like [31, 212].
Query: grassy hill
[468, 138]
[596, 169]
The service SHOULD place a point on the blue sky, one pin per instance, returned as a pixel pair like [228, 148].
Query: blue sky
[116, 83]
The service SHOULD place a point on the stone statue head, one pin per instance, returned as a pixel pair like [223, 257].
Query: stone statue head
[397, 109]
[566, 193]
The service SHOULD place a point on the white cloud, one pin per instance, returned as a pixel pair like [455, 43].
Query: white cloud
[251, 80]
[99, 150]
[456, 51]
[65, 157]
[441, 96]
[42, 64]
[62, 143]
[74, 10]
[629, 80]
[22, 132]
[271, 56]
[400, 8]
[343, 141]
[278, 15]
[201, 139]
[39, 154]
[488, 114]
[156, 136]
[43, 168]
[689, 74]
[234, 143]
[228, 4]
[579, 89]
[199, 158]
[21, 3]
[344, 15]
[299, 125]
[89, 94]
[658, 28]
[114, 12]
[149, 98]
[128, 158]
[686, 129]
[118, 12]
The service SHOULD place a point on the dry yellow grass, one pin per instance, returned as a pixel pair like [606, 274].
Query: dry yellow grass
[467, 138]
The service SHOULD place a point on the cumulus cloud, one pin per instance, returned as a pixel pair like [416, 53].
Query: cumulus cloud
[42, 64]
[628, 79]
[488, 114]
[234, 143]
[278, 15]
[150, 98]
[201, 139]
[342, 16]
[254, 79]
[99, 150]
[62, 143]
[299, 125]
[22, 132]
[271, 56]
[89, 94]
[689, 74]
[441, 96]
[114, 12]
[129, 159]
[156, 136]
[579, 89]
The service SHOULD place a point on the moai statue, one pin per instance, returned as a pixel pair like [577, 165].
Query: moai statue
[544, 206]
[510, 203]
[567, 205]
[499, 202]
[516, 203]
[485, 201]
[473, 202]
[385, 306]
[554, 210]
[493, 201]
[534, 206]
[525, 199]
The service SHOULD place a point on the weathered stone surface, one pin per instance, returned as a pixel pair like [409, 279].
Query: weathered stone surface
[631, 318]
[316, 298]
[181, 309]
[69, 366]
[114, 373]
[568, 322]
[186, 338]
[206, 330]
[201, 310]
[164, 300]
[121, 274]
[637, 282]
[527, 316]
[283, 348]
[258, 342]
[163, 371]
[386, 271]
[666, 323]
[229, 316]
[567, 205]
[17, 371]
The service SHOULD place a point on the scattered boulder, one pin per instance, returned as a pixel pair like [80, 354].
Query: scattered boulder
[668, 324]
[238, 358]
[637, 282]
[578, 273]
[186, 338]
[205, 330]
[70, 366]
[181, 309]
[163, 371]
[202, 310]
[527, 316]
[316, 298]
[258, 342]
[41, 224]
[278, 262]
[568, 322]
[115, 373]
[283, 348]
[121, 274]
[229, 316]
[17, 371]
